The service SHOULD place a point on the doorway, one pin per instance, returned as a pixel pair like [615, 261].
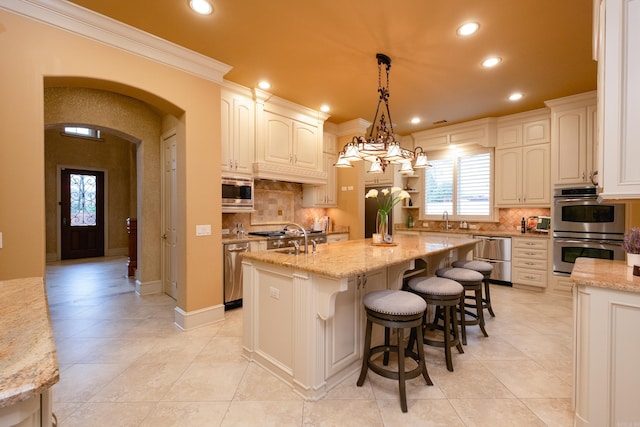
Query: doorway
[81, 213]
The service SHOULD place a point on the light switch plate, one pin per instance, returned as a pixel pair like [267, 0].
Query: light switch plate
[203, 230]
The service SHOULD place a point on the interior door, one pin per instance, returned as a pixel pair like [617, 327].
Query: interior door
[82, 213]
[170, 235]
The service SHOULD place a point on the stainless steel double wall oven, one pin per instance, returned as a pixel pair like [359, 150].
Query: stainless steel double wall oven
[585, 227]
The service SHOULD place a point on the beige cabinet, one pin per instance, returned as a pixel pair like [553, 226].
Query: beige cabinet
[606, 348]
[337, 237]
[238, 132]
[617, 42]
[372, 179]
[288, 141]
[573, 140]
[529, 261]
[480, 132]
[529, 128]
[324, 195]
[522, 176]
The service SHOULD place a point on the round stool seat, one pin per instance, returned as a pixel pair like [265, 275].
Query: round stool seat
[439, 286]
[460, 275]
[444, 295]
[396, 303]
[485, 268]
[472, 282]
[399, 310]
[479, 266]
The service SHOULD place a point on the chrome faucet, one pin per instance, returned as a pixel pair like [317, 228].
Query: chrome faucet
[445, 218]
[304, 232]
[296, 246]
[314, 245]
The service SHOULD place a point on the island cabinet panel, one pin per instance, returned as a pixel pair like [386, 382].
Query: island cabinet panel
[345, 330]
[607, 378]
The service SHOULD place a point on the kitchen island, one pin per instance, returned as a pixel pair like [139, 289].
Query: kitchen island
[606, 343]
[28, 362]
[302, 314]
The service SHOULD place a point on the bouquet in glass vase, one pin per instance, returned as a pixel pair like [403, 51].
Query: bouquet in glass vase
[387, 199]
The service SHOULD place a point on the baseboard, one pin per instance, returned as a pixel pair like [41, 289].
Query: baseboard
[196, 318]
[118, 252]
[148, 288]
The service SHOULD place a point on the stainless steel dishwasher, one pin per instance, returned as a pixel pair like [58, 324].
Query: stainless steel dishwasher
[232, 285]
[497, 251]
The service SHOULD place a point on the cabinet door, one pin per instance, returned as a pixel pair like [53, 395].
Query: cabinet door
[226, 138]
[536, 188]
[508, 177]
[306, 146]
[243, 134]
[536, 132]
[342, 342]
[278, 139]
[509, 136]
[570, 163]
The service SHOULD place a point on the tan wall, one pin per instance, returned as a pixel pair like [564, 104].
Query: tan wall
[111, 156]
[33, 51]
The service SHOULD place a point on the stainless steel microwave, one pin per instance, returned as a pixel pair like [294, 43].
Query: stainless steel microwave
[237, 194]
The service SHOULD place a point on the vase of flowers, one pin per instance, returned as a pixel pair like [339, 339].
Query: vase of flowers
[387, 199]
[631, 245]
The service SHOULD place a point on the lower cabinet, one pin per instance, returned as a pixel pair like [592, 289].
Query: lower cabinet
[33, 412]
[529, 261]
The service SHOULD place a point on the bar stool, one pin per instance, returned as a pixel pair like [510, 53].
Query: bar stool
[472, 282]
[399, 310]
[484, 268]
[445, 295]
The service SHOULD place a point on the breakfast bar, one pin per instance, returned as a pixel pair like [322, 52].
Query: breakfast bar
[303, 316]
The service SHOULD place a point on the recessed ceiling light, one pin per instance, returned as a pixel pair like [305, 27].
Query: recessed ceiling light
[203, 7]
[491, 62]
[516, 96]
[264, 85]
[468, 29]
[325, 108]
[415, 120]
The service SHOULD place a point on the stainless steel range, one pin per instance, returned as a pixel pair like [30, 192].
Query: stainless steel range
[284, 238]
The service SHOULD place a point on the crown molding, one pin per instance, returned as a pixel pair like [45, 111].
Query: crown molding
[89, 24]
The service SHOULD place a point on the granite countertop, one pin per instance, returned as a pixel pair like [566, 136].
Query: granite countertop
[28, 361]
[231, 238]
[352, 257]
[606, 274]
[476, 232]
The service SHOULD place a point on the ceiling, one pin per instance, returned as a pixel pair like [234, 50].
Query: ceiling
[324, 52]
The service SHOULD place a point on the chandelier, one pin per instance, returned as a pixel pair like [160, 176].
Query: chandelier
[382, 149]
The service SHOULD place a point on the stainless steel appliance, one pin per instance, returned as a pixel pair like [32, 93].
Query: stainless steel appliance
[584, 227]
[232, 272]
[237, 194]
[495, 250]
[281, 239]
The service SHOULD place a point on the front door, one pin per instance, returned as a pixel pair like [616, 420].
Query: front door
[82, 213]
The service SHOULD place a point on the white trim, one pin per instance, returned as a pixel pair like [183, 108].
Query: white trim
[196, 318]
[89, 24]
[148, 288]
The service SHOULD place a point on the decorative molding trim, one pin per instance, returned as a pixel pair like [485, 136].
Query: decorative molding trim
[148, 288]
[89, 24]
[289, 173]
[196, 318]
[353, 127]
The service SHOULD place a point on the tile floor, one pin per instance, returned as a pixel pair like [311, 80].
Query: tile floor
[123, 362]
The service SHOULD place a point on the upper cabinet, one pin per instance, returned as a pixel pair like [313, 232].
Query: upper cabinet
[324, 195]
[481, 132]
[574, 154]
[522, 160]
[617, 48]
[289, 141]
[238, 131]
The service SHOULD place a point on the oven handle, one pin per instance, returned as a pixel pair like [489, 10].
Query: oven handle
[602, 242]
[579, 199]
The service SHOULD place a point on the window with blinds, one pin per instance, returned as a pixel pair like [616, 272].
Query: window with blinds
[459, 184]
